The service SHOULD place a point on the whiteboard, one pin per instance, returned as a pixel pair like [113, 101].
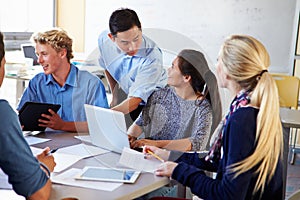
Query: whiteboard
[207, 23]
[26, 15]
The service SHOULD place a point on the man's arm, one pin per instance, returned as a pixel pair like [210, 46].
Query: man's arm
[128, 105]
[111, 81]
[112, 84]
[55, 122]
[43, 193]
[27, 177]
[79, 127]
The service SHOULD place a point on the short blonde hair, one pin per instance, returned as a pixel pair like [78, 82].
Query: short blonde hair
[58, 39]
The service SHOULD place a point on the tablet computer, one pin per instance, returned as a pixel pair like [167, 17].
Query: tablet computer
[31, 112]
[108, 174]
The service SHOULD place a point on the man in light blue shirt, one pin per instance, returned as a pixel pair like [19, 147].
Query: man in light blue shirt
[62, 83]
[131, 60]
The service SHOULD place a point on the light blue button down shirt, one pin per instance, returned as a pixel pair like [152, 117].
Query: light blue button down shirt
[81, 88]
[137, 75]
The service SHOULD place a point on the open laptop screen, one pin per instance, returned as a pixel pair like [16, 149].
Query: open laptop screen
[107, 128]
[29, 52]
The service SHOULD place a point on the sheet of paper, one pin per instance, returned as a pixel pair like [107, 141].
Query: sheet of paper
[82, 150]
[67, 156]
[4, 181]
[62, 160]
[135, 160]
[84, 138]
[35, 140]
[10, 194]
[67, 178]
[30, 133]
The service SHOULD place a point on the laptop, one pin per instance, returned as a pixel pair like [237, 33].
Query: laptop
[107, 128]
[29, 52]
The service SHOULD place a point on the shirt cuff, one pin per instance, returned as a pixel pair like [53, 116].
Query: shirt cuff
[46, 169]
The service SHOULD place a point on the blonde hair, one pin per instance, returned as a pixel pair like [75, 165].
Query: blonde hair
[58, 39]
[245, 60]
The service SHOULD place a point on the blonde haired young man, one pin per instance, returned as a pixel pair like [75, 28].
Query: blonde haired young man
[62, 83]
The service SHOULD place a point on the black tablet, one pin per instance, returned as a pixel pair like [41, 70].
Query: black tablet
[31, 112]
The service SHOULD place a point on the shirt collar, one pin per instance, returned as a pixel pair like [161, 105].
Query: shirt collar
[71, 79]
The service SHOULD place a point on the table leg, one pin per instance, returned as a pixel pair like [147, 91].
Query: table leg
[286, 134]
[20, 87]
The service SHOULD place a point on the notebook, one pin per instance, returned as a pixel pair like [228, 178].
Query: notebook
[107, 128]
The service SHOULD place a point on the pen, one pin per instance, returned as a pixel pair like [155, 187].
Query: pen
[52, 151]
[156, 156]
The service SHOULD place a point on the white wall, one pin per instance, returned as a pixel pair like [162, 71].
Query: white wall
[26, 15]
[208, 22]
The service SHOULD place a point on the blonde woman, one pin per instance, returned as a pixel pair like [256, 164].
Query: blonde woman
[247, 151]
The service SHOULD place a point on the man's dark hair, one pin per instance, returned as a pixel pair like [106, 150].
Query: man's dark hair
[122, 20]
[2, 50]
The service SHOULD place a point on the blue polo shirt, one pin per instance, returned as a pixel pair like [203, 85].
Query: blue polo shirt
[81, 88]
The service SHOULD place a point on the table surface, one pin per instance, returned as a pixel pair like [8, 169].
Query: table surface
[290, 117]
[146, 183]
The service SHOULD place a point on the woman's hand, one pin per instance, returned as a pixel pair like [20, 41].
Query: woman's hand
[131, 139]
[47, 159]
[164, 154]
[166, 169]
[143, 142]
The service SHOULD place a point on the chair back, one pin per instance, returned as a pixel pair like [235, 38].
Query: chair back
[294, 196]
[288, 90]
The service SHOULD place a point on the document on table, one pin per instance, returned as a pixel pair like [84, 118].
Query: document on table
[67, 156]
[4, 181]
[68, 178]
[10, 194]
[62, 160]
[135, 160]
[30, 133]
[82, 150]
[84, 138]
[35, 140]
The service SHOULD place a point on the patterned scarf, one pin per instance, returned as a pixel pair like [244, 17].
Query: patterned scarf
[240, 100]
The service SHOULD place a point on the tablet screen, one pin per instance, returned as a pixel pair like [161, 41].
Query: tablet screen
[109, 174]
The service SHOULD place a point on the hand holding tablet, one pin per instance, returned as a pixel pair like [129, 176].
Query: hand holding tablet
[31, 112]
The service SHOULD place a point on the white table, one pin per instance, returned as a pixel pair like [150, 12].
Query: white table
[146, 183]
[290, 119]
